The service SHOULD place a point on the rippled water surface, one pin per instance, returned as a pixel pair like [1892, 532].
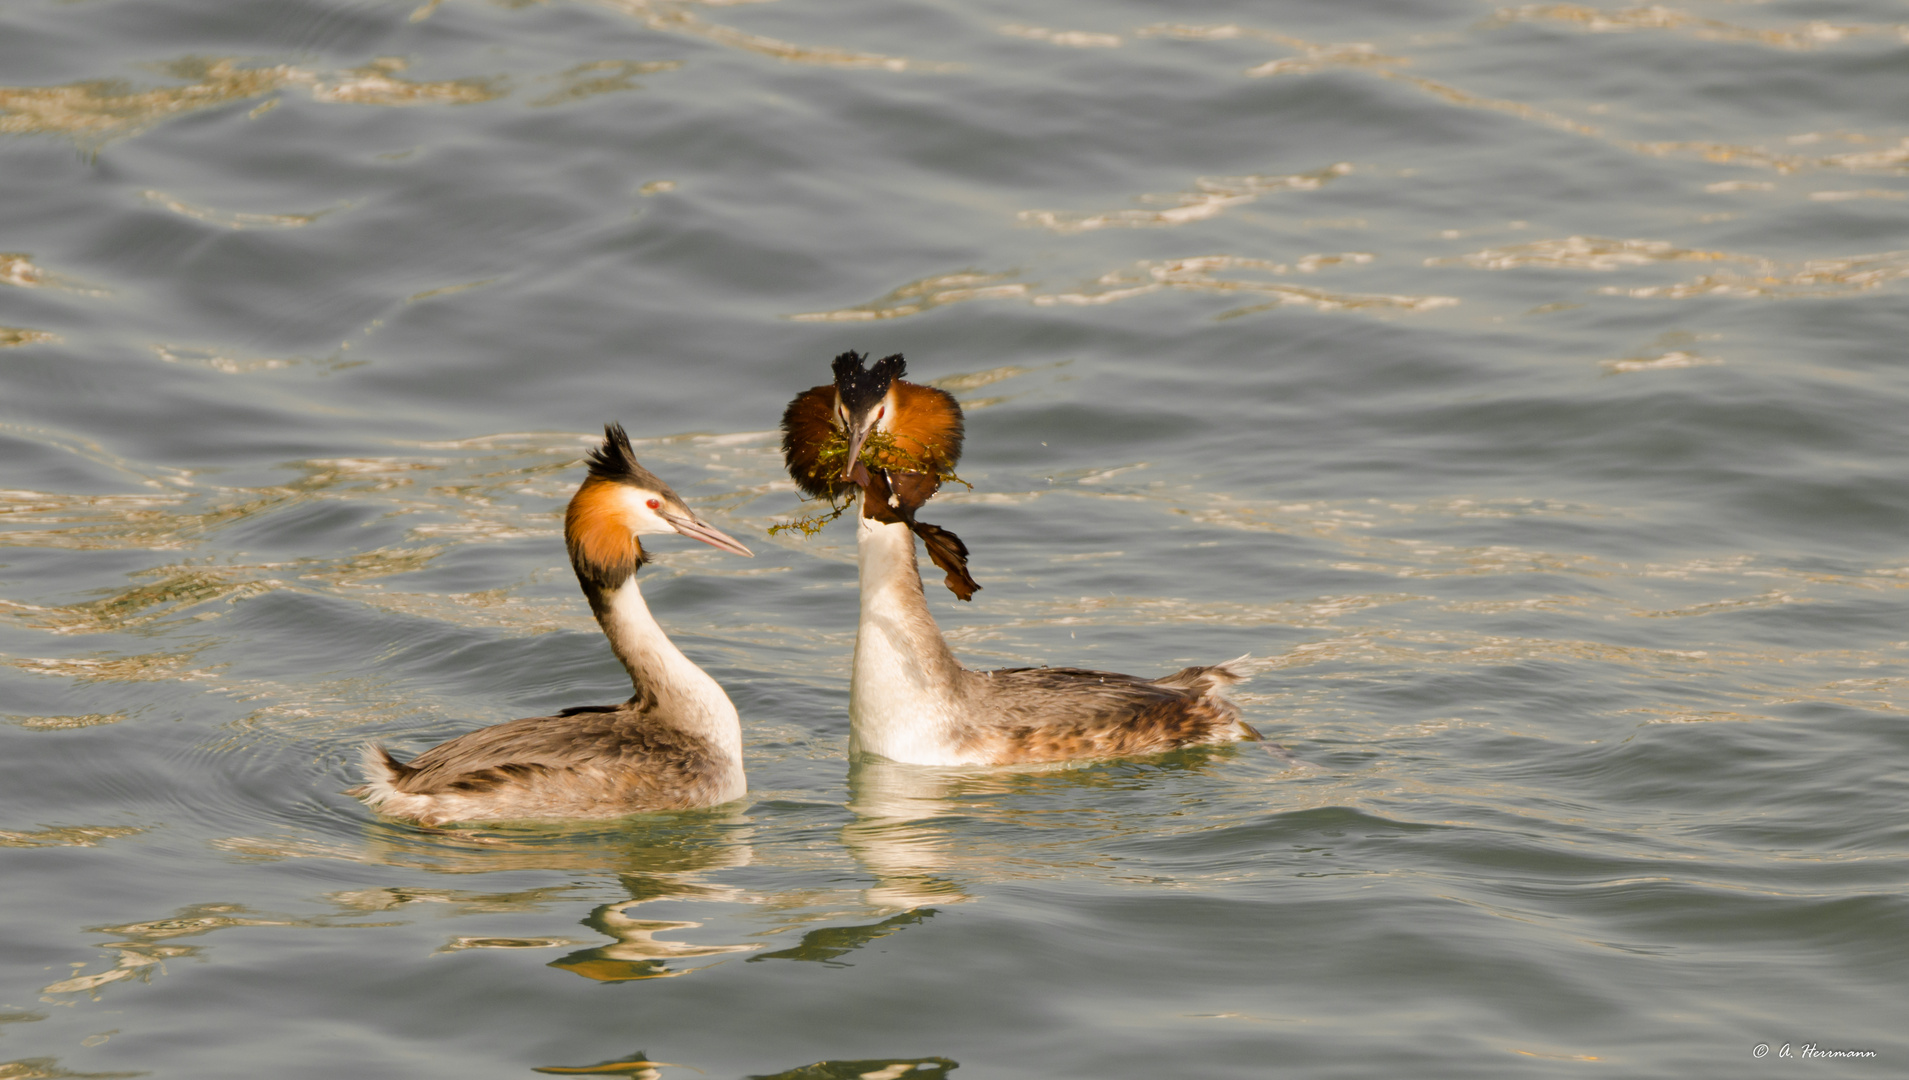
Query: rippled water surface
[1523, 387]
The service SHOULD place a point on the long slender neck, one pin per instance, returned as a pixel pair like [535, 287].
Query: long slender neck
[670, 685]
[905, 691]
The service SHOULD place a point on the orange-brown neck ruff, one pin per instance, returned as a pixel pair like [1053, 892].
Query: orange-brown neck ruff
[926, 424]
[603, 550]
[809, 425]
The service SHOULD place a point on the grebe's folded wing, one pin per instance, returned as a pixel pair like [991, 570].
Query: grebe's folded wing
[1057, 714]
[588, 739]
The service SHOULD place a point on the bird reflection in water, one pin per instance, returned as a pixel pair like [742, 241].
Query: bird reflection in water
[657, 857]
[928, 1068]
[830, 942]
[637, 953]
[929, 835]
[890, 840]
[895, 836]
[638, 1066]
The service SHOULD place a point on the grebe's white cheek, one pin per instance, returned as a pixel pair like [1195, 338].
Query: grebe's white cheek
[643, 518]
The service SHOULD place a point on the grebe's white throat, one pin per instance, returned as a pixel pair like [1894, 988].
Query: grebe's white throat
[906, 688]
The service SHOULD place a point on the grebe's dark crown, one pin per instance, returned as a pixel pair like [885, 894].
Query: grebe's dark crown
[615, 461]
[861, 389]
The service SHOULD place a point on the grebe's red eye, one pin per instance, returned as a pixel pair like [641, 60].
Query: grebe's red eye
[655, 504]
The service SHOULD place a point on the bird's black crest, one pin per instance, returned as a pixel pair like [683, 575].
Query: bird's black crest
[861, 389]
[614, 460]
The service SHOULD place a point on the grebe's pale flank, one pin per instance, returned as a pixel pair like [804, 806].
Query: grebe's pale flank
[910, 700]
[676, 744]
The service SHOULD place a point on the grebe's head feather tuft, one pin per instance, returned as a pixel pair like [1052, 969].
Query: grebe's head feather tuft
[619, 501]
[615, 461]
[860, 390]
[825, 428]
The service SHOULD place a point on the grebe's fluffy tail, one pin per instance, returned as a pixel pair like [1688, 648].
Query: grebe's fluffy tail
[1210, 680]
[383, 773]
[1211, 677]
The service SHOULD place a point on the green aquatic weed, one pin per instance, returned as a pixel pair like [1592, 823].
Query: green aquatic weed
[881, 450]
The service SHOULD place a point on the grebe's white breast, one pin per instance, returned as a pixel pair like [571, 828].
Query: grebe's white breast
[905, 693]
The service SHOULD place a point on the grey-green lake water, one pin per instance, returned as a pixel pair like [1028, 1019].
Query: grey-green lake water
[1522, 387]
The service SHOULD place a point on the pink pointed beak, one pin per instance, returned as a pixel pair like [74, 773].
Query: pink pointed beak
[857, 472]
[697, 529]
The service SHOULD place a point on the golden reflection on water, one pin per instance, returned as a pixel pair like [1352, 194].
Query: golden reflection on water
[144, 947]
[1312, 57]
[1452, 95]
[230, 219]
[1581, 253]
[1201, 273]
[1069, 39]
[483, 496]
[66, 723]
[674, 17]
[67, 836]
[1211, 196]
[97, 111]
[177, 587]
[460, 944]
[1658, 17]
[12, 336]
[147, 667]
[377, 83]
[1318, 57]
[1670, 361]
[46, 1068]
[1866, 193]
[924, 295]
[1769, 279]
[601, 77]
[1363, 56]
[18, 269]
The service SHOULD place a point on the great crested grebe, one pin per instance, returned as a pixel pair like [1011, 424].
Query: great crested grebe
[910, 700]
[676, 744]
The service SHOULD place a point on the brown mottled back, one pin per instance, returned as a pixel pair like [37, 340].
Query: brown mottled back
[591, 762]
[1066, 714]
